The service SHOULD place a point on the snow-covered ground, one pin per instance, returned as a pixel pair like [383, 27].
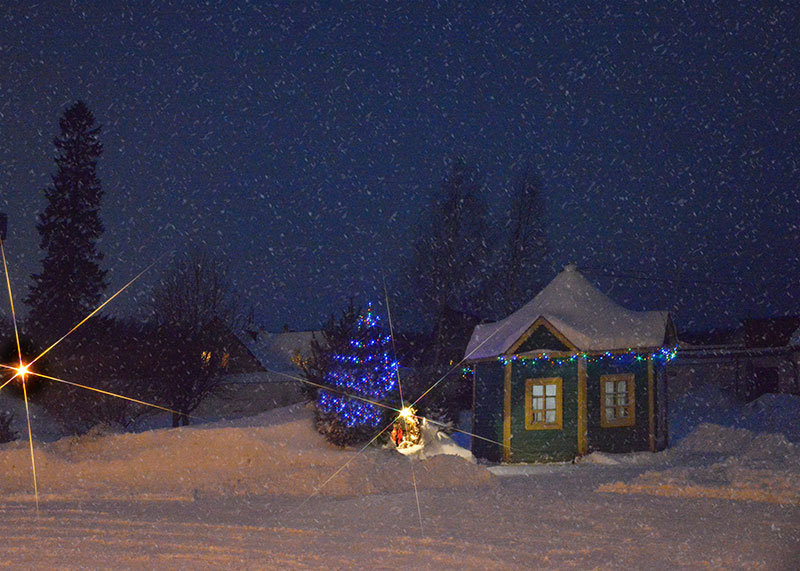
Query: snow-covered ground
[267, 492]
[274, 453]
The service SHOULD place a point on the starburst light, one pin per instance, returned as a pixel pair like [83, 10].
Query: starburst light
[23, 370]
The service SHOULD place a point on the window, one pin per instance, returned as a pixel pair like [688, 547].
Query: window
[543, 404]
[617, 405]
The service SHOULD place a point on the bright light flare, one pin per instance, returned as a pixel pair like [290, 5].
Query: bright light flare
[22, 371]
[406, 412]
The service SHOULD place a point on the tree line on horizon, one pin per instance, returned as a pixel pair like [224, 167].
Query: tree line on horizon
[158, 360]
[460, 279]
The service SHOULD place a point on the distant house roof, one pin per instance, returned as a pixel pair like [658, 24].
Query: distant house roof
[589, 319]
[274, 351]
[771, 332]
[711, 338]
[794, 340]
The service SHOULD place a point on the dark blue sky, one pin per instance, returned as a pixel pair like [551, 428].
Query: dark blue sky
[301, 140]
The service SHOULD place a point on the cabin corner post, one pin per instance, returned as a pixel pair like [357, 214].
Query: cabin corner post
[474, 404]
[651, 404]
[583, 445]
[507, 413]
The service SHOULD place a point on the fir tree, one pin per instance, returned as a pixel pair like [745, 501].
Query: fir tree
[366, 370]
[71, 281]
[518, 272]
[452, 258]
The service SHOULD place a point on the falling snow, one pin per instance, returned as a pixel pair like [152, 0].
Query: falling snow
[304, 146]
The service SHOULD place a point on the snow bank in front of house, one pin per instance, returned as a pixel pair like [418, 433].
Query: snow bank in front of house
[273, 454]
[773, 413]
[723, 462]
[707, 403]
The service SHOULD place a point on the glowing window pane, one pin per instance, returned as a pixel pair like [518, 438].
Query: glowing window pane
[617, 400]
[543, 404]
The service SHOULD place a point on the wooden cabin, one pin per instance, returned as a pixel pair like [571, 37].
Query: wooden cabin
[569, 373]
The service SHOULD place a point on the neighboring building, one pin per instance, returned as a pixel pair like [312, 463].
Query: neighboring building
[774, 356]
[231, 351]
[761, 356]
[569, 373]
[260, 373]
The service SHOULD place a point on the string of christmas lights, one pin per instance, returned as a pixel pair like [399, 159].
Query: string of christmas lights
[664, 355]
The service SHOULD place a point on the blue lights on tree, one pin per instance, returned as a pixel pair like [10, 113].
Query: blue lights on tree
[366, 370]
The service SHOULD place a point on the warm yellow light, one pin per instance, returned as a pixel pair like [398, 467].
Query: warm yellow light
[406, 412]
[22, 370]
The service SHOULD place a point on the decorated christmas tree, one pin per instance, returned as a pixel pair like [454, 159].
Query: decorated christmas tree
[364, 373]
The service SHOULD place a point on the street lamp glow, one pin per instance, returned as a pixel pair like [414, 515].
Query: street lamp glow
[22, 371]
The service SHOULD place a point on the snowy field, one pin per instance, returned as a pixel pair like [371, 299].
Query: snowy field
[268, 492]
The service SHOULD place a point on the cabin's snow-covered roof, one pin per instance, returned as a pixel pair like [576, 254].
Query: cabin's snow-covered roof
[589, 319]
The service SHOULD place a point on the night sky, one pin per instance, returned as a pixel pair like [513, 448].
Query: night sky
[302, 142]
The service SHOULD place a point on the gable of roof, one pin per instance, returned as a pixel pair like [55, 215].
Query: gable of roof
[274, 351]
[589, 319]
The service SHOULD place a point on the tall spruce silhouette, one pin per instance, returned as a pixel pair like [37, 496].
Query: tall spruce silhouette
[71, 281]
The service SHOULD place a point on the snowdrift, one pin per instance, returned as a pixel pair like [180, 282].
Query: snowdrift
[707, 403]
[722, 462]
[276, 453]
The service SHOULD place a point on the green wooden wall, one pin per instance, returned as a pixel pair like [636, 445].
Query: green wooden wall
[617, 439]
[544, 445]
[488, 410]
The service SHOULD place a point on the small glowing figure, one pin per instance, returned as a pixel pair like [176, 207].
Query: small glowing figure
[406, 432]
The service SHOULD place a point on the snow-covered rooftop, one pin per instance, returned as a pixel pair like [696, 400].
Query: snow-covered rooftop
[275, 350]
[589, 319]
